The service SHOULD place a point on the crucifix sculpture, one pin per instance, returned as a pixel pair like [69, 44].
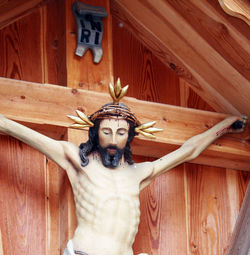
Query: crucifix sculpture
[106, 182]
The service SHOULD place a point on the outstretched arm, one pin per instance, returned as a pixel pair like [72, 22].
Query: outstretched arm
[195, 145]
[51, 148]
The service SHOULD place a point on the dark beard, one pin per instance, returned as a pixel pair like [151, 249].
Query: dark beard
[110, 160]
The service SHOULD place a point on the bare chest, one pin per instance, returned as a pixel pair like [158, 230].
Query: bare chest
[108, 203]
[107, 189]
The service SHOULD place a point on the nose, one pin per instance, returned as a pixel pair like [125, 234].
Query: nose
[114, 140]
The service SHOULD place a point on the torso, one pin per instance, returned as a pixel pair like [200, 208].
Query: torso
[107, 207]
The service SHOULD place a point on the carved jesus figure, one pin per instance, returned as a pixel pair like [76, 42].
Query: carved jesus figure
[106, 182]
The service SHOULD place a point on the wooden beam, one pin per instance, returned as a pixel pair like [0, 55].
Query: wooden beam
[49, 104]
[198, 40]
[237, 8]
[240, 244]
[11, 11]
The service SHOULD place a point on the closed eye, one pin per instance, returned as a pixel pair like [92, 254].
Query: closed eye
[106, 131]
[122, 132]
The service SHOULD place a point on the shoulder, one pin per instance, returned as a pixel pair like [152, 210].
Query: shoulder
[143, 170]
[71, 152]
[69, 147]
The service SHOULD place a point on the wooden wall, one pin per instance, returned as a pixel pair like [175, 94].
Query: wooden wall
[32, 49]
[189, 210]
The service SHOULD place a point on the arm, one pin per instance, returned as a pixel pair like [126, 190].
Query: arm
[51, 148]
[193, 147]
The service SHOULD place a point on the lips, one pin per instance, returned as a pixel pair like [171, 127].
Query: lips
[112, 151]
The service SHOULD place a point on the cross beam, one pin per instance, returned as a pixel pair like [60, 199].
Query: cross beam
[49, 104]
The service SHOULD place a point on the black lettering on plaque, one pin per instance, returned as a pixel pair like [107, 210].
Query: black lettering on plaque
[85, 35]
[94, 25]
[97, 38]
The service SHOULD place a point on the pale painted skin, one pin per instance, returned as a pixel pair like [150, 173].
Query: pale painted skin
[107, 200]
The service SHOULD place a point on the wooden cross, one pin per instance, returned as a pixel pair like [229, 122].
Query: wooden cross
[41, 103]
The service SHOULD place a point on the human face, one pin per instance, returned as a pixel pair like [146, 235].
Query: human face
[114, 133]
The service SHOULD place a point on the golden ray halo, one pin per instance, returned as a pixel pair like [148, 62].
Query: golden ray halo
[82, 121]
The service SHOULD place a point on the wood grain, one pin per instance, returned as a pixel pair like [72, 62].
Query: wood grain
[83, 72]
[18, 51]
[227, 43]
[235, 184]
[54, 71]
[209, 211]
[147, 76]
[167, 224]
[11, 11]
[162, 229]
[42, 60]
[191, 50]
[54, 41]
[239, 9]
[22, 181]
[21, 198]
[175, 215]
[190, 99]
[19, 102]
[52, 205]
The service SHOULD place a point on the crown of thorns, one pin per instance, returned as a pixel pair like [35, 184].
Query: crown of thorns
[114, 110]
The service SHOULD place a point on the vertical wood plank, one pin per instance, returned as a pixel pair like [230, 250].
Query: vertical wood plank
[163, 218]
[20, 49]
[214, 198]
[52, 198]
[208, 224]
[55, 72]
[22, 176]
[21, 198]
[149, 79]
[54, 41]
[82, 72]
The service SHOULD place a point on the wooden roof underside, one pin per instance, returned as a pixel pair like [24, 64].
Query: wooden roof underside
[204, 45]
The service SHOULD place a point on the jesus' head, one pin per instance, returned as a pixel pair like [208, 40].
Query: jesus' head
[110, 137]
[112, 128]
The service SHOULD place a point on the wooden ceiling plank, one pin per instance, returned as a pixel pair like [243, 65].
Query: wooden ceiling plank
[239, 9]
[198, 58]
[49, 104]
[11, 11]
[217, 101]
[220, 34]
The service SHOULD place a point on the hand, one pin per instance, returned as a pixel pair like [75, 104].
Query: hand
[232, 124]
[239, 125]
